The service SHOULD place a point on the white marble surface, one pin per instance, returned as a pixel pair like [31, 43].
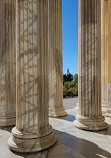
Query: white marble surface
[71, 142]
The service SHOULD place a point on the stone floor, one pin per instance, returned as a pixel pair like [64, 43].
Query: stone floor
[71, 142]
[70, 103]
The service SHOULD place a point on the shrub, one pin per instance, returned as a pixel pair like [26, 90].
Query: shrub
[64, 93]
[70, 88]
[68, 85]
[70, 92]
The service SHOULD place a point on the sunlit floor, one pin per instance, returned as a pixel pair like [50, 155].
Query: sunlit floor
[71, 142]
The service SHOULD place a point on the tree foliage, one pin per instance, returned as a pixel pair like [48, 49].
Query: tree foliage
[70, 84]
[67, 77]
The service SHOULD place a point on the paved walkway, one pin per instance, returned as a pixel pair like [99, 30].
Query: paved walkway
[70, 103]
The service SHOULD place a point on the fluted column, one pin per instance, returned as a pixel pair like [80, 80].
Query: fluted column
[108, 112]
[90, 115]
[56, 108]
[32, 132]
[7, 63]
[104, 53]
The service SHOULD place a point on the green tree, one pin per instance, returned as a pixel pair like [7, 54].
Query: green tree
[75, 80]
[67, 85]
[64, 78]
[67, 77]
[70, 84]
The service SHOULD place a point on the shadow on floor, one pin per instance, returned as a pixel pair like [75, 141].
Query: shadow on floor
[68, 146]
[69, 117]
[105, 132]
[9, 129]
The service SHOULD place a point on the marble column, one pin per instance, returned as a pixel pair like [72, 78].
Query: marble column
[33, 131]
[56, 108]
[108, 112]
[90, 115]
[7, 63]
[104, 53]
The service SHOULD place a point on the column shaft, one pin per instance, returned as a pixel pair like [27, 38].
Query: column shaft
[7, 63]
[104, 52]
[56, 108]
[108, 112]
[90, 115]
[32, 132]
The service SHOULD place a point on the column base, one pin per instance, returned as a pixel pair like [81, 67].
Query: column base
[57, 112]
[5, 122]
[91, 124]
[29, 142]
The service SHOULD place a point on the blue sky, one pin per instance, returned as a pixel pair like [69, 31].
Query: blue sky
[70, 35]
